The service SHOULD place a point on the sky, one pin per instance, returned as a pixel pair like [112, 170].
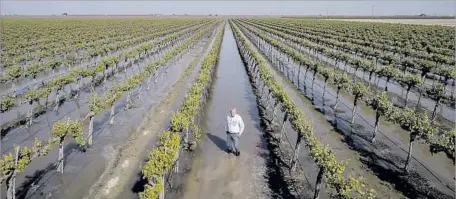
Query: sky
[236, 7]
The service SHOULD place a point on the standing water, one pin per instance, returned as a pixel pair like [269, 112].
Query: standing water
[215, 173]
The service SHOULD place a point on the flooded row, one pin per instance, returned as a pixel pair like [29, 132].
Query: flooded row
[214, 173]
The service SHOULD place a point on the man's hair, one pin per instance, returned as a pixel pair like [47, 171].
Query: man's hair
[233, 110]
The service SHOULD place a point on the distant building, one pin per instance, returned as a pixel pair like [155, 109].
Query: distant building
[64, 14]
[422, 15]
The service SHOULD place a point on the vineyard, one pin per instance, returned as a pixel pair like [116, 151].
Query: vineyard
[136, 108]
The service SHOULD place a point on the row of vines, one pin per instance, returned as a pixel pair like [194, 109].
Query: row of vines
[183, 128]
[331, 169]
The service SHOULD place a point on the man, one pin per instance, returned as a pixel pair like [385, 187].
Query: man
[234, 129]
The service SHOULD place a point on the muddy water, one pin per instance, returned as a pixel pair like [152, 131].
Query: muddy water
[83, 169]
[215, 173]
[437, 169]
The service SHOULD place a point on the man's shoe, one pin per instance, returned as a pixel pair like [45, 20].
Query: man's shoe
[229, 151]
[238, 153]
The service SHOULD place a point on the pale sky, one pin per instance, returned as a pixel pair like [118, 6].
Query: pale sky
[239, 7]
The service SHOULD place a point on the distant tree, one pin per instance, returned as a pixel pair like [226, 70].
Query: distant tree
[65, 14]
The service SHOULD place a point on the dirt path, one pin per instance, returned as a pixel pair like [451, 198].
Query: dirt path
[119, 181]
[215, 173]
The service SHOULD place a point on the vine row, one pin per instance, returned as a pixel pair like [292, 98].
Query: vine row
[331, 169]
[165, 155]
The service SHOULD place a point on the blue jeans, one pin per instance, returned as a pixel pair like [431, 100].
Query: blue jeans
[232, 141]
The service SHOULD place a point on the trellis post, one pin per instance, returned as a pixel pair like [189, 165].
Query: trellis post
[282, 129]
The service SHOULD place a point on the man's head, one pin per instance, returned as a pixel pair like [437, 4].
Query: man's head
[233, 112]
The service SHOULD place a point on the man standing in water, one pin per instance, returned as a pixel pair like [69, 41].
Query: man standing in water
[234, 128]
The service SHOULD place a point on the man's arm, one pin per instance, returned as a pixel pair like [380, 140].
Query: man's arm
[241, 125]
[226, 124]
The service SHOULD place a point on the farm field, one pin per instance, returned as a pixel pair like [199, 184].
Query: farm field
[442, 22]
[135, 107]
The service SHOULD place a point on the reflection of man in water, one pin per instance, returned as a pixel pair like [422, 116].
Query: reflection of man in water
[234, 128]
